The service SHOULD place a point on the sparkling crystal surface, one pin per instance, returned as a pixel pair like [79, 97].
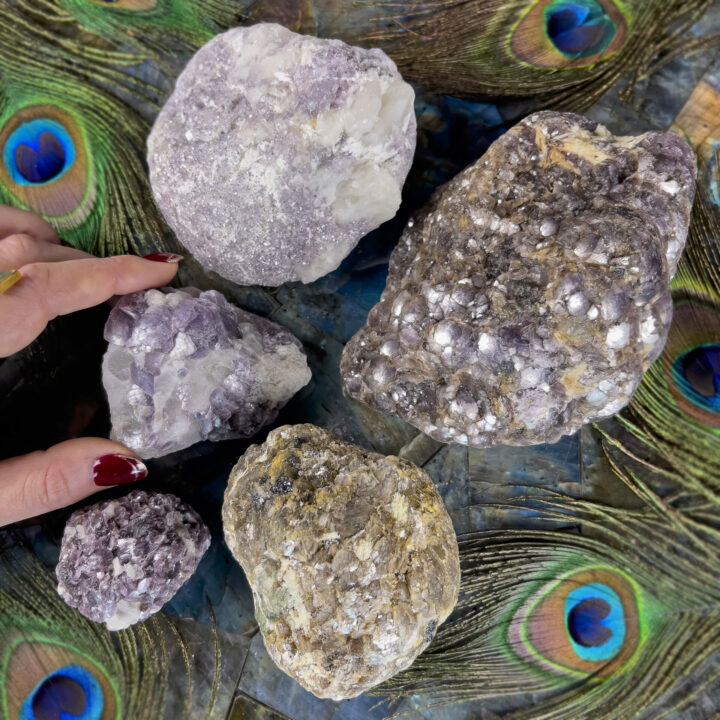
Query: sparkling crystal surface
[121, 560]
[351, 555]
[532, 292]
[277, 152]
[184, 366]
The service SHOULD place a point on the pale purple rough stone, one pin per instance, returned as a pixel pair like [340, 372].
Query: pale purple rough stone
[122, 560]
[184, 366]
[277, 152]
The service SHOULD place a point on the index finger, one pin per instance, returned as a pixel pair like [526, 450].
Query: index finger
[14, 221]
[47, 290]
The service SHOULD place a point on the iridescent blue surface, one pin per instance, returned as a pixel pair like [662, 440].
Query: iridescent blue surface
[595, 621]
[38, 152]
[69, 693]
[697, 373]
[579, 28]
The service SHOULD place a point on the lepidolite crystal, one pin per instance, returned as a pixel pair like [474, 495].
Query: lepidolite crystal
[532, 292]
[122, 560]
[277, 152]
[184, 366]
[351, 556]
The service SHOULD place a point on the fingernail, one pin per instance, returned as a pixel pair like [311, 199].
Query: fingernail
[117, 470]
[164, 257]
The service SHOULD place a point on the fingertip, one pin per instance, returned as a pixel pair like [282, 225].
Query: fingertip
[170, 258]
[118, 469]
[65, 474]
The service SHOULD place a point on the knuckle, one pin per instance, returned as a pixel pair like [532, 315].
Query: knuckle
[36, 279]
[52, 487]
[17, 250]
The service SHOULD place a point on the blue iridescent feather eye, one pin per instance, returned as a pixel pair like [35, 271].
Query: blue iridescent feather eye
[697, 374]
[585, 623]
[578, 28]
[38, 152]
[69, 693]
[595, 622]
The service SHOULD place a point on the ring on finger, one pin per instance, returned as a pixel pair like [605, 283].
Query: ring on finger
[8, 278]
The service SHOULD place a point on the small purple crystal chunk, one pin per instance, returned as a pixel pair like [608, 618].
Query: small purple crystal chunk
[184, 366]
[122, 560]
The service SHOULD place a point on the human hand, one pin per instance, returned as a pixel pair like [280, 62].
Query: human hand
[58, 280]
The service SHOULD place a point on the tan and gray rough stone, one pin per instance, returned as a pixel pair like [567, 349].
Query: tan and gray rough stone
[532, 292]
[351, 556]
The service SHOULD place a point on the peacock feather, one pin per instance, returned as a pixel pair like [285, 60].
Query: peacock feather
[599, 625]
[156, 29]
[70, 150]
[569, 52]
[56, 665]
[672, 426]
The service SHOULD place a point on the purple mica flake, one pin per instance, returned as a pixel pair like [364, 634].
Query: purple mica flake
[121, 560]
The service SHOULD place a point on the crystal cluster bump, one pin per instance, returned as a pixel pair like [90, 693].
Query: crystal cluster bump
[532, 292]
[122, 560]
[351, 556]
[277, 152]
[184, 366]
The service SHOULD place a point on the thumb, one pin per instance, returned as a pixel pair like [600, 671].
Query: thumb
[43, 481]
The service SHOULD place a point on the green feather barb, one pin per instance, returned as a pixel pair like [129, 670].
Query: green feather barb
[50, 654]
[595, 625]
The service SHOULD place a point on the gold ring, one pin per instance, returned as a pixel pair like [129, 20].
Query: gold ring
[8, 278]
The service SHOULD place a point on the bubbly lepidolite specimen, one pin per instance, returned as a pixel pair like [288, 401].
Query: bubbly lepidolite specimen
[122, 560]
[184, 366]
[277, 152]
[532, 292]
[351, 556]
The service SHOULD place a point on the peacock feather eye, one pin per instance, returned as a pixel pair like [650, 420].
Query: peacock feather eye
[46, 164]
[48, 680]
[68, 692]
[569, 33]
[38, 151]
[583, 623]
[579, 29]
[691, 359]
[697, 372]
[595, 621]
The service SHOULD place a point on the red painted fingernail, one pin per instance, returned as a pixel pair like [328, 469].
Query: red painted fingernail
[118, 470]
[164, 257]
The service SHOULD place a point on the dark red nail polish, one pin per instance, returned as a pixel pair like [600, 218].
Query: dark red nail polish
[117, 470]
[164, 257]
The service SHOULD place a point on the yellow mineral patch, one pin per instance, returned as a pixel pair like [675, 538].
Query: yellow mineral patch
[399, 507]
[556, 154]
[588, 151]
[363, 548]
[570, 379]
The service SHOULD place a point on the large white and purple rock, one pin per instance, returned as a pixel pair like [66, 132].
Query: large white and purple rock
[184, 366]
[277, 152]
[121, 560]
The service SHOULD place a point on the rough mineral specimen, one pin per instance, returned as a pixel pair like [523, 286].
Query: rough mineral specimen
[122, 560]
[351, 556]
[184, 366]
[277, 152]
[531, 293]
